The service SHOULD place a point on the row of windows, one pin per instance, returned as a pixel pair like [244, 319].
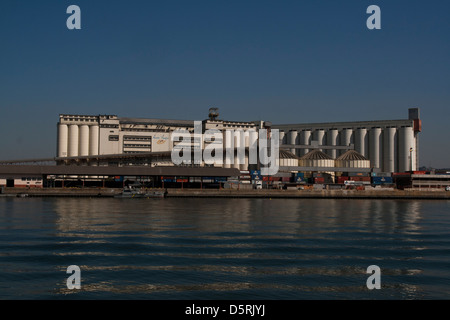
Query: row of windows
[136, 146]
[143, 130]
[135, 152]
[134, 138]
[80, 119]
[31, 179]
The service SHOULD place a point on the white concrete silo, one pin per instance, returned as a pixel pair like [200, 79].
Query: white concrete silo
[389, 148]
[406, 150]
[229, 148]
[253, 147]
[93, 140]
[63, 139]
[332, 140]
[292, 139]
[361, 142]
[282, 137]
[239, 144]
[346, 139]
[319, 136]
[375, 145]
[83, 141]
[305, 139]
[73, 140]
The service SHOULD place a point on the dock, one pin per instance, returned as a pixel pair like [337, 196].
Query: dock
[233, 193]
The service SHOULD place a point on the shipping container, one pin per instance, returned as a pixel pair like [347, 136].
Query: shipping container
[342, 179]
[319, 180]
[360, 178]
[381, 174]
[317, 175]
[358, 174]
[381, 180]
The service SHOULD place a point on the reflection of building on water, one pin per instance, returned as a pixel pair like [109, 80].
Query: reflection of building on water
[238, 215]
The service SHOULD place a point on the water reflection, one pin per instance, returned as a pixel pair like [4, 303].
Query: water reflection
[275, 248]
[289, 216]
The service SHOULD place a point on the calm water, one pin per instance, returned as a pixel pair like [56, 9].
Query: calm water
[223, 248]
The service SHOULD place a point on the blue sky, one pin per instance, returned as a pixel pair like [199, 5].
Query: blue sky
[282, 61]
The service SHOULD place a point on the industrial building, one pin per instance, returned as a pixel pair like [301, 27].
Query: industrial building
[107, 150]
[110, 140]
[390, 145]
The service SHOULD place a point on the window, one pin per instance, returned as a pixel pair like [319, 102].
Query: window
[113, 138]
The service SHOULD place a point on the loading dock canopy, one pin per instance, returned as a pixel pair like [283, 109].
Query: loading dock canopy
[28, 170]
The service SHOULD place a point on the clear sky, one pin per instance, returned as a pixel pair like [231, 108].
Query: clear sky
[281, 61]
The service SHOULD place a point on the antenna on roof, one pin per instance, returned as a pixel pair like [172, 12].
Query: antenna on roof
[213, 113]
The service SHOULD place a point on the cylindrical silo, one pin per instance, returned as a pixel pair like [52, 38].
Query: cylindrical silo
[282, 137]
[229, 148]
[319, 135]
[253, 147]
[246, 138]
[83, 147]
[332, 138]
[346, 139]
[73, 140]
[305, 139]
[239, 144]
[93, 140]
[361, 145]
[63, 137]
[406, 150]
[389, 147]
[292, 139]
[375, 146]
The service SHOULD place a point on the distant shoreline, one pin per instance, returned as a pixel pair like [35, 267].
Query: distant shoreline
[232, 193]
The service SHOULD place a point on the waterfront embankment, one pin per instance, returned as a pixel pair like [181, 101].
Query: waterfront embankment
[232, 193]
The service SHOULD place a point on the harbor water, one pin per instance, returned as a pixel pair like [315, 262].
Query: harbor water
[173, 248]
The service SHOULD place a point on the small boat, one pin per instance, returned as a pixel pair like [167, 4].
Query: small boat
[140, 193]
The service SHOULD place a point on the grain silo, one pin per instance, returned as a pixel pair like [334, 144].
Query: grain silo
[316, 159]
[287, 159]
[352, 159]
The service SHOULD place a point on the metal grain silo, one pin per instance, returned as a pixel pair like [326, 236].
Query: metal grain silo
[287, 159]
[63, 137]
[389, 148]
[352, 159]
[316, 159]
[73, 141]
